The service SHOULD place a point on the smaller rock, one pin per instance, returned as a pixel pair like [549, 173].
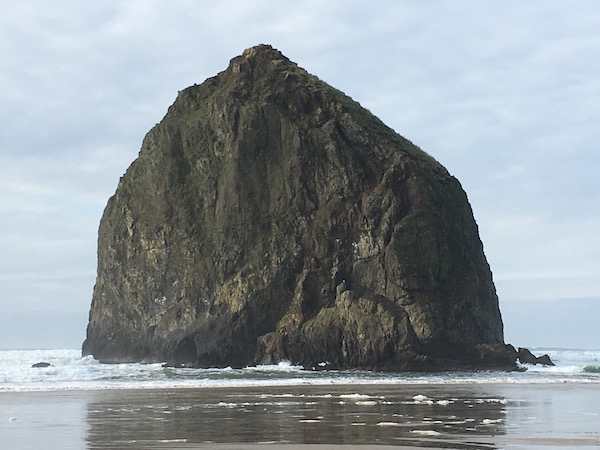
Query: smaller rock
[526, 357]
[172, 365]
[545, 360]
[41, 364]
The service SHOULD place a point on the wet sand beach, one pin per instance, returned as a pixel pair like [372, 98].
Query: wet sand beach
[459, 416]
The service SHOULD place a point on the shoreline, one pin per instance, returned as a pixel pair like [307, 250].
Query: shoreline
[282, 384]
[334, 416]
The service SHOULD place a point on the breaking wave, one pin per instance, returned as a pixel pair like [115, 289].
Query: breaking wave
[68, 370]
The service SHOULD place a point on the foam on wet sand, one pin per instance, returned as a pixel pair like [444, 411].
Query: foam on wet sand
[560, 416]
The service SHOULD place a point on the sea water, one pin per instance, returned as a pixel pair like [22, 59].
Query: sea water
[78, 403]
[68, 370]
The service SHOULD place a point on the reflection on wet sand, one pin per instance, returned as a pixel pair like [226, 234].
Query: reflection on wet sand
[444, 417]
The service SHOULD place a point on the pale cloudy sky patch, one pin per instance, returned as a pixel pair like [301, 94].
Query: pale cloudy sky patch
[504, 94]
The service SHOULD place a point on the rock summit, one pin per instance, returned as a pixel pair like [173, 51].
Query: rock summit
[270, 217]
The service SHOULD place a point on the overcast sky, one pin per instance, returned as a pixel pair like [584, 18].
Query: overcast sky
[505, 94]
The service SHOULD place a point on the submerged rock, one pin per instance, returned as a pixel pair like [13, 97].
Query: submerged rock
[41, 364]
[268, 216]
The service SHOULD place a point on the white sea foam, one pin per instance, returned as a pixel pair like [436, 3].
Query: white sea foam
[355, 396]
[426, 432]
[421, 400]
[283, 366]
[70, 371]
[491, 421]
[389, 424]
[502, 401]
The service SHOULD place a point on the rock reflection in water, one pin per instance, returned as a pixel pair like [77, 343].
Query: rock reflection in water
[405, 415]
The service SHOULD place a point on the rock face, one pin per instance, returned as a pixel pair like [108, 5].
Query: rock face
[268, 217]
[525, 356]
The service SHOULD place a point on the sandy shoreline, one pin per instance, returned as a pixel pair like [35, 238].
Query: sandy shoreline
[500, 442]
[298, 417]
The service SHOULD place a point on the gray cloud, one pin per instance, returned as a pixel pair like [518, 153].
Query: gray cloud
[503, 94]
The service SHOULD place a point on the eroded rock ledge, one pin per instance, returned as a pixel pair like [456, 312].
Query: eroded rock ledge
[268, 217]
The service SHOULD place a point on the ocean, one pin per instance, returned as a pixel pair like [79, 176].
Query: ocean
[79, 403]
[70, 371]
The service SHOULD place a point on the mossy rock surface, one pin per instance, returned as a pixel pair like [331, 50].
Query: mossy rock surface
[268, 216]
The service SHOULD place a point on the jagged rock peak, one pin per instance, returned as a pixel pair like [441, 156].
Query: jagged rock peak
[268, 216]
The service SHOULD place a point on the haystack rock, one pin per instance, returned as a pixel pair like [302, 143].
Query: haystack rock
[270, 217]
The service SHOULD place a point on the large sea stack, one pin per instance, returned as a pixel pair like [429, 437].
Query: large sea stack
[269, 216]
